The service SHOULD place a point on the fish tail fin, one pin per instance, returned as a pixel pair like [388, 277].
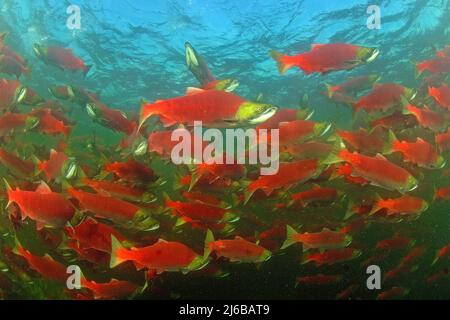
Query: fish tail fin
[115, 247]
[208, 239]
[86, 70]
[282, 61]
[290, 232]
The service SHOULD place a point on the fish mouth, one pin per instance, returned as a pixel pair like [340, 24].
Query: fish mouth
[440, 163]
[37, 50]
[32, 123]
[373, 55]
[141, 148]
[22, 92]
[322, 129]
[305, 114]
[264, 116]
[71, 169]
[232, 86]
[191, 56]
[92, 110]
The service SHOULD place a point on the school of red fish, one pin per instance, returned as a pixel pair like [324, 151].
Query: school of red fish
[105, 208]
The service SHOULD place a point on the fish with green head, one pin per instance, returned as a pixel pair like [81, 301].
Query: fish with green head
[212, 107]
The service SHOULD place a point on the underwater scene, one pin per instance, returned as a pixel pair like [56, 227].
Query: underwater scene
[211, 149]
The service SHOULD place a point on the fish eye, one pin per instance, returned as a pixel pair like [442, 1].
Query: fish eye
[374, 54]
[37, 49]
[71, 170]
[91, 110]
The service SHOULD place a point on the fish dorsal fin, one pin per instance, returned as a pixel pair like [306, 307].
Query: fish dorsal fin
[192, 90]
[162, 240]
[380, 156]
[239, 238]
[316, 45]
[326, 230]
[43, 188]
